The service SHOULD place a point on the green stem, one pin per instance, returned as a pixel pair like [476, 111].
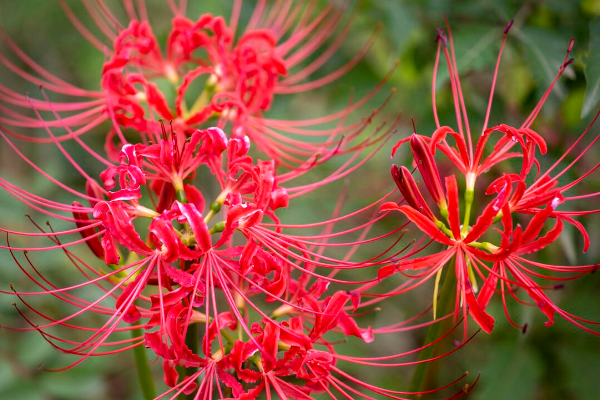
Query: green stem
[425, 373]
[191, 340]
[143, 369]
[469, 197]
[467, 219]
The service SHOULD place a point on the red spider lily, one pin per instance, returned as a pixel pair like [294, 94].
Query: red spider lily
[292, 364]
[282, 354]
[536, 197]
[269, 299]
[241, 73]
[175, 274]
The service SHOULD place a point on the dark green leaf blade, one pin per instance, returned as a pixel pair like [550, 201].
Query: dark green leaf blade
[592, 70]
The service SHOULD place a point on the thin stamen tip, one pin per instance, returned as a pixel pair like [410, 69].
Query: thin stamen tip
[568, 62]
[414, 126]
[12, 287]
[393, 90]
[510, 24]
[571, 44]
[441, 36]
[524, 330]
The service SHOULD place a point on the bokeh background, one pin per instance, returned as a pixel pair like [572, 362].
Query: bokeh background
[561, 362]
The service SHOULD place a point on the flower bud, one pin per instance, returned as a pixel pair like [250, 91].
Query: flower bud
[93, 243]
[93, 190]
[409, 189]
[428, 169]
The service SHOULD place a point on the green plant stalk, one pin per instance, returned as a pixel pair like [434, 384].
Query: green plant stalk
[191, 340]
[143, 369]
[469, 197]
[425, 373]
[191, 337]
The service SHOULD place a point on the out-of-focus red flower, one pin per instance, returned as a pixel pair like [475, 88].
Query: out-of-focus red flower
[221, 76]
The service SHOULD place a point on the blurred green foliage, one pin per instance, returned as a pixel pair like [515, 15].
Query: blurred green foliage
[561, 362]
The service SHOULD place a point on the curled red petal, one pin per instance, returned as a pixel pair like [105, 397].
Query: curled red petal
[409, 189]
[350, 327]
[194, 196]
[279, 198]
[485, 220]
[94, 243]
[423, 223]
[483, 319]
[199, 227]
[111, 255]
[118, 223]
[428, 168]
[489, 287]
[453, 207]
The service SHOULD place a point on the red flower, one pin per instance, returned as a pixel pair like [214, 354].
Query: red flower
[277, 321]
[240, 73]
[517, 196]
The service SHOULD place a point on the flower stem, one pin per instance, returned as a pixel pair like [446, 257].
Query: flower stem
[425, 373]
[469, 197]
[467, 219]
[143, 369]
[191, 340]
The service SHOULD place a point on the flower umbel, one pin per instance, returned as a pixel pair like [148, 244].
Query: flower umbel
[211, 72]
[177, 230]
[528, 205]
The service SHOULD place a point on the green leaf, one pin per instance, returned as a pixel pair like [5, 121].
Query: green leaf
[582, 366]
[546, 51]
[400, 22]
[476, 49]
[592, 70]
[72, 385]
[32, 351]
[19, 391]
[513, 374]
[7, 375]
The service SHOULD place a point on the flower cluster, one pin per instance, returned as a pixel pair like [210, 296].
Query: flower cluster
[527, 205]
[186, 250]
[189, 254]
[214, 76]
